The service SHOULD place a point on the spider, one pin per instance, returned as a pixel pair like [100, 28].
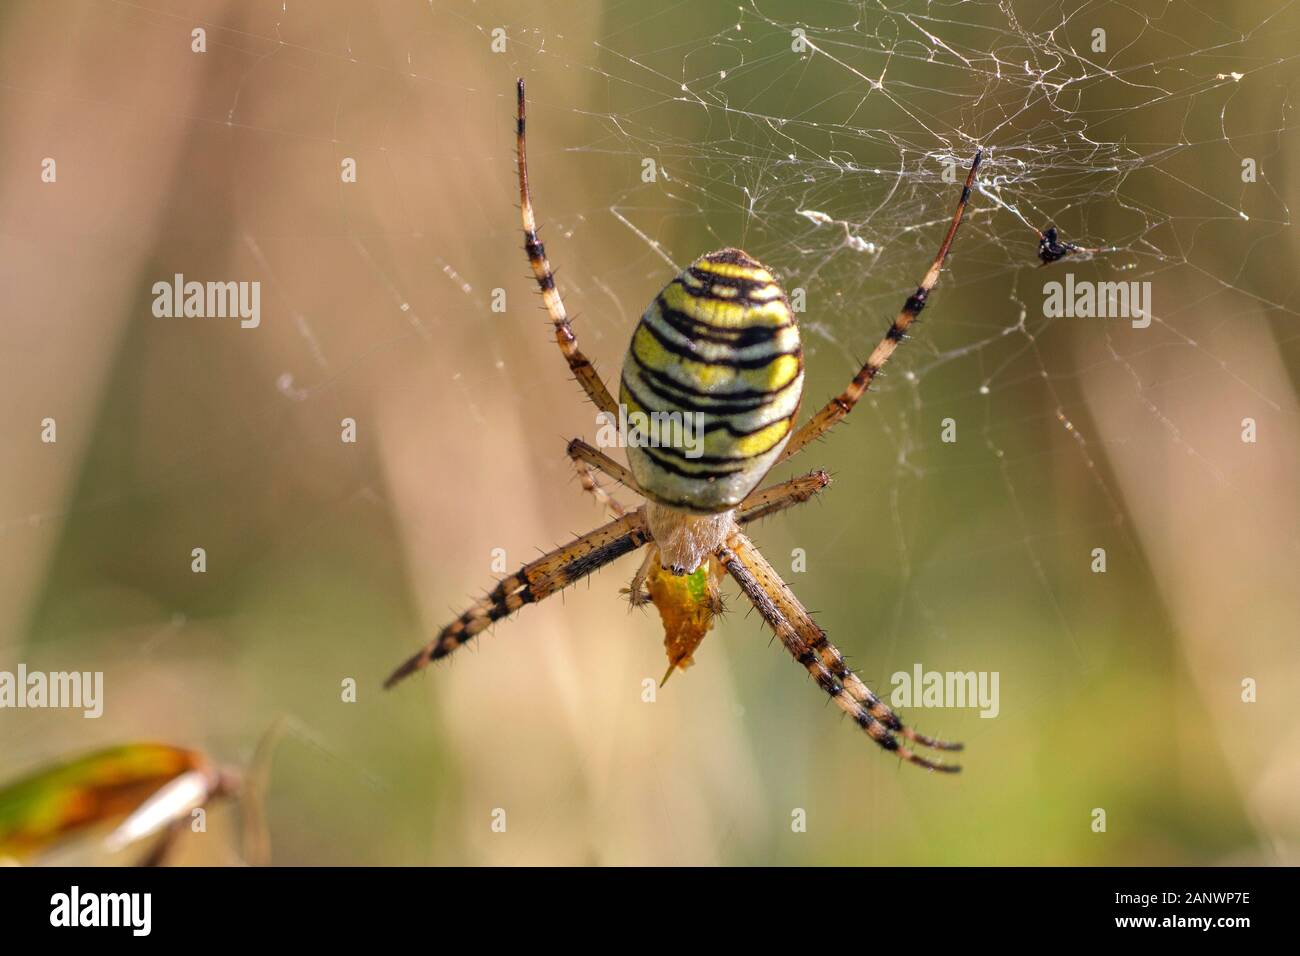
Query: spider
[720, 342]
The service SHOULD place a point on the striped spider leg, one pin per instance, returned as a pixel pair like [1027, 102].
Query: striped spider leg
[535, 581]
[839, 406]
[579, 364]
[776, 498]
[809, 645]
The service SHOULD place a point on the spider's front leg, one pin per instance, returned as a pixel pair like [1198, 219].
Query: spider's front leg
[808, 644]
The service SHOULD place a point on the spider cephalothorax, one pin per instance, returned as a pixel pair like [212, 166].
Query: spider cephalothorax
[718, 348]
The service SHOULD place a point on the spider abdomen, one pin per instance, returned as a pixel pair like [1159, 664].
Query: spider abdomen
[716, 362]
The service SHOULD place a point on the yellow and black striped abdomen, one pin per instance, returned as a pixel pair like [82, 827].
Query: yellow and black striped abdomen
[718, 349]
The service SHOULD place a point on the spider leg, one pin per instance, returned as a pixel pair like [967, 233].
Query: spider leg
[585, 457]
[769, 501]
[579, 364]
[636, 592]
[603, 497]
[534, 582]
[839, 406]
[808, 644]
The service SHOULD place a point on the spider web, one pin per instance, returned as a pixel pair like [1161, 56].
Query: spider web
[830, 141]
[827, 139]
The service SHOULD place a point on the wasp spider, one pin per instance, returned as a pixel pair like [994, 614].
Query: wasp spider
[719, 342]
